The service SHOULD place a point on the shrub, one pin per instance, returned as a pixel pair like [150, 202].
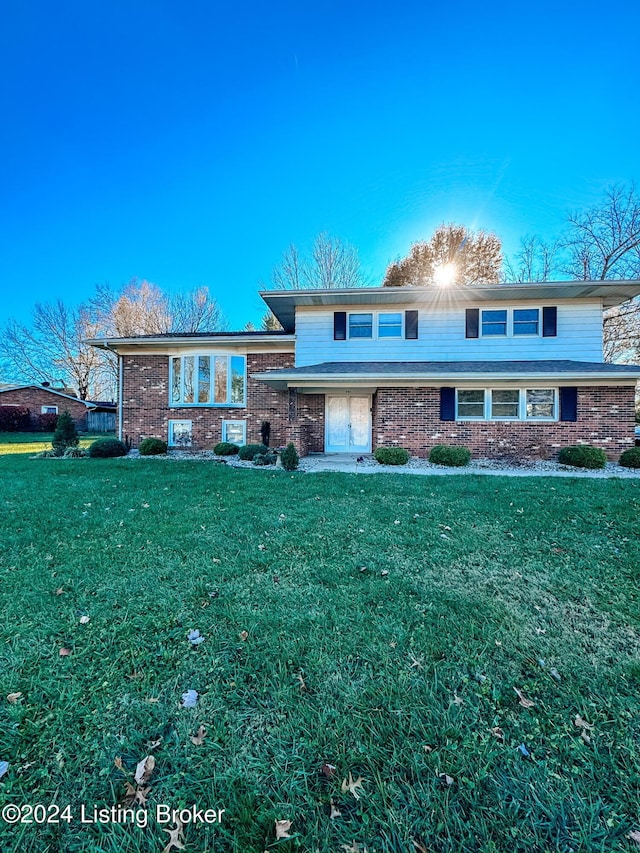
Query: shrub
[226, 448]
[450, 455]
[248, 451]
[66, 434]
[47, 422]
[583, 456]
[74, 453]
[631, 458]
[391, 455]
[289, 457]
[107, 448]
[14, 419]
[265, 459]
[152, 447]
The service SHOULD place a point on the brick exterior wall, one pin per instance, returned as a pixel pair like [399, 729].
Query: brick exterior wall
[146, 412]
[410, 417]
[35, 398]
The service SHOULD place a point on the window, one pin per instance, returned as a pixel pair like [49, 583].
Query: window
[505, 404]
[494, 323]
[48, 410]
[360, 325]
[234, 432]
[471, 403]
[180, 434]
[540, 403]
[526, 321]
[208, 380]
[390, 325]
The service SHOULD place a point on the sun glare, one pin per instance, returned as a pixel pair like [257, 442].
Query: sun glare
[444, 274]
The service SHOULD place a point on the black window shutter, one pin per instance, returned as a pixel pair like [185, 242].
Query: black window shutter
[339, 325]
[411, 325]
[550, 322]
[472, 321]
[447, 404]
[568, 404]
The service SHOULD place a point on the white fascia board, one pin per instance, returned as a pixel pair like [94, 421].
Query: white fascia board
[160, 343]
[284, 380]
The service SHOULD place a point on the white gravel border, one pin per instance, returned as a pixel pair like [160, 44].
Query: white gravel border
[349, 464]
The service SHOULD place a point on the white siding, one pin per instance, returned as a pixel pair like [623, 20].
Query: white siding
[442, 336]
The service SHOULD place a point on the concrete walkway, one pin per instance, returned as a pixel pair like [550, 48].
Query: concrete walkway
[348, 463]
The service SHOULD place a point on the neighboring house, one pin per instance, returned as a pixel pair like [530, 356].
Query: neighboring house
[507, 370]
[43, 400]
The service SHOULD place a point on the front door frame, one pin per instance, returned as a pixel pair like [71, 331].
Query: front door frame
[348, 395]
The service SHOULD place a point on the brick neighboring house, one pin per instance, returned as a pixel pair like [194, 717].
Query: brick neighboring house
[507, 370]
[40, 400]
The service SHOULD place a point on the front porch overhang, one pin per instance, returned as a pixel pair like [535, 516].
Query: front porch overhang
[370, 375]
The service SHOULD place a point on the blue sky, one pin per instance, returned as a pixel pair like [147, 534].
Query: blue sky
[191, 143]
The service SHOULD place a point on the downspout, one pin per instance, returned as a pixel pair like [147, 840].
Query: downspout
[120, 392]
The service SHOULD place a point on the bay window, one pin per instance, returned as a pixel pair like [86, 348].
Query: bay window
[208, 380]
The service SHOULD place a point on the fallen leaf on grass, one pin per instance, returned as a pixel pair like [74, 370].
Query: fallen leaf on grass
[582, 724]
[84, 620]
[118, 763]
[497, 732]
[244, 636]
[352, 785]
[174, 838]
[328, 770]
[144, 770]
[300, 678]
[194, 637]
[526, 703]
[189, 699]
[585, 736]
[354, 847]
[198, 739]
[335, 812]
[555, 674]
[384, 573]
[154, 744]
[282, 829]
[13, 697]
[457, 700]
[64, 653]
[59, 591]
[416, 662]
[634, 835]
[446, 780]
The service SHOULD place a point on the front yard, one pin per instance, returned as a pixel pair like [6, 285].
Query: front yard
[372, 630]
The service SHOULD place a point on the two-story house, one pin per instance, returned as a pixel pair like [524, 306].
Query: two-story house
[502, 369]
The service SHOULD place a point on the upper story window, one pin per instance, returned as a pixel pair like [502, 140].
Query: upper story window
[208, 380]
[494, 322]
[526, 321]
[390, 325]
[360, 325]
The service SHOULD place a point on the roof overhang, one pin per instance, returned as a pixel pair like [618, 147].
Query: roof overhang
[439, 375]
[284, 302]
[161, 343]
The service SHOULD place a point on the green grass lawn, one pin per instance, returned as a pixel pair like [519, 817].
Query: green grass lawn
[389, 621]
[34, 442]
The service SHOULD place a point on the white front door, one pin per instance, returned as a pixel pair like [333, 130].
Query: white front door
[348, 425]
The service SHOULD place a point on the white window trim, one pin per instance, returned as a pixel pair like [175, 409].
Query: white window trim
[242, 423]
[522, 404]
[510, 325]
[375, 326]
[44, 410]
[209, 405]
[170, 428]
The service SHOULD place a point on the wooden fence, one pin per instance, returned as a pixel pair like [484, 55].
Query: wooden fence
[101, 422]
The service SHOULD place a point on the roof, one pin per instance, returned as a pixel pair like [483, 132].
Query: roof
[283, 302]
[192, 337]
[20, 386]
[449, 371]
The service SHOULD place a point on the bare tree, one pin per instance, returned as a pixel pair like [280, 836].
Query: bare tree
[602, 243]
[332, 264]
[464, 256]
[52, 350]
[535, 260]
